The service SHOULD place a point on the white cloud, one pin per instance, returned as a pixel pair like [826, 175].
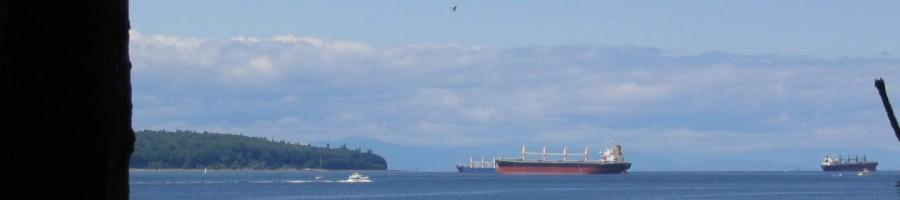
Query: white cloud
[245, 40]
[627, 93]
[292, 39]
[441, 98]
[481, 114]
[257, 69]
[347, 47]
[307, 88]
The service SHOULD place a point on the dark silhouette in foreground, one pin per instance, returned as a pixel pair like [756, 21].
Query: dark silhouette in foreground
[879, 83]
[65, 99]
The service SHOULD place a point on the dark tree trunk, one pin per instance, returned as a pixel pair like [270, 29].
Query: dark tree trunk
[882, 91]
[65, 99]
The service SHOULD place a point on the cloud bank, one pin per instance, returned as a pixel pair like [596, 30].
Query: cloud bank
[312, 89]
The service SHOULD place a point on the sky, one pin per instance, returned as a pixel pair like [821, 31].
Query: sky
[743, 85]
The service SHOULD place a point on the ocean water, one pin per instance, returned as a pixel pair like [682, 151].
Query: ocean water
[286, 185]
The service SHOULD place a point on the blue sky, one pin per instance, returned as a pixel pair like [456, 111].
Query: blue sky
[760, 85]
[820, 28]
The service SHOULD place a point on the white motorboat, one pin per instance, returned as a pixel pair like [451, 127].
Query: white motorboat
[357, 178]
[864, 172]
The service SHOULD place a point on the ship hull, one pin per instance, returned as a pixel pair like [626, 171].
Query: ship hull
[560, 167]
[475, 170]
[851, 167]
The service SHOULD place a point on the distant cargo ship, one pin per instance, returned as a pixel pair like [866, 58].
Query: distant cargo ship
[611, 162]
[830, 163]
[477, 167]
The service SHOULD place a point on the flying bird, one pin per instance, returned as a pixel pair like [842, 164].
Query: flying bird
[454, 8]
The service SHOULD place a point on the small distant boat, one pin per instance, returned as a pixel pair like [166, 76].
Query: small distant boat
[478, 167]
[357, 178]
[864, 172]
[319, 178]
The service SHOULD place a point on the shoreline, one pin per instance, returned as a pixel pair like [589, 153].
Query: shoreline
[246, 170]
[393, 170]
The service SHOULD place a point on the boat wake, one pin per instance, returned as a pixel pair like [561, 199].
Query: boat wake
[262, 181]
[354, 181]
[297, 181]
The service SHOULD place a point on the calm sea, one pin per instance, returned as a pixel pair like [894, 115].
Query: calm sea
[449, 185]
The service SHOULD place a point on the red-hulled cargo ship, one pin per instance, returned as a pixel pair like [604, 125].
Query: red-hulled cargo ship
[611, 162]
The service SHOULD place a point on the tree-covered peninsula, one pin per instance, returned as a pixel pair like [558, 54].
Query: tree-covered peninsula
[196, 150]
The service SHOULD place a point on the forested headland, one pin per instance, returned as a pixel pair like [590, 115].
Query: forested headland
[196, 150]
